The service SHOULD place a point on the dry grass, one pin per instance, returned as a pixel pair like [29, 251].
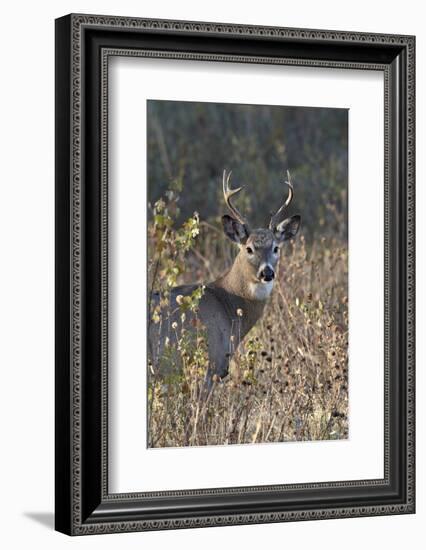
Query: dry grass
[289, 379]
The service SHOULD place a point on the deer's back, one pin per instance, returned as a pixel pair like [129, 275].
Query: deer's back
[214, 313]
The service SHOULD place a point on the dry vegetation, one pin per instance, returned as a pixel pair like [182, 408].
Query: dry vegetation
[288, 380]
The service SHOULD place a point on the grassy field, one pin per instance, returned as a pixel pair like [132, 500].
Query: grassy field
[289, 379]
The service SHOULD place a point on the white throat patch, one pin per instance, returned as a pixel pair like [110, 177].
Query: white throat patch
[261, 291]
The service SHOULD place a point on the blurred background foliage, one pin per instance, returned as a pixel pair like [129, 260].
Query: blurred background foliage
[193, 142]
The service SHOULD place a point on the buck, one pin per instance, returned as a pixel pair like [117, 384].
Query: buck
[232, 304]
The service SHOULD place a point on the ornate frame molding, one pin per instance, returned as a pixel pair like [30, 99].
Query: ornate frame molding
[72, 46]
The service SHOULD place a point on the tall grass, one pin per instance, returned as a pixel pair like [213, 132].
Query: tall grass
[289, 378]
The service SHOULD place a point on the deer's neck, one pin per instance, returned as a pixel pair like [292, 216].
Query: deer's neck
[243, 292]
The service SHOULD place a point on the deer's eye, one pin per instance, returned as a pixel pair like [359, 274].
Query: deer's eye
[276, 250]
[249, 250]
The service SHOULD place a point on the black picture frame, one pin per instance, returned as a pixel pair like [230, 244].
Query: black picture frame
[83, 45]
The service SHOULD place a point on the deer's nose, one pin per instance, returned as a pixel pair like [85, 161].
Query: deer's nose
[267, 274]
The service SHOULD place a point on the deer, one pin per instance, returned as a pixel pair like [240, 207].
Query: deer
[232, 304]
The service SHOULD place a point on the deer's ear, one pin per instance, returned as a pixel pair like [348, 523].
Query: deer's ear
[288, 228]
[235, 230]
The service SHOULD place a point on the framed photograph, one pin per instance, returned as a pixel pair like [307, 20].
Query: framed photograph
[234, 274]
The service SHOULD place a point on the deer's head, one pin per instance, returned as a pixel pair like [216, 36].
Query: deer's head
[259, 248]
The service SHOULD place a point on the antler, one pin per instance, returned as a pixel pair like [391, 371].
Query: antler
[228, 193]
[275, 218]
